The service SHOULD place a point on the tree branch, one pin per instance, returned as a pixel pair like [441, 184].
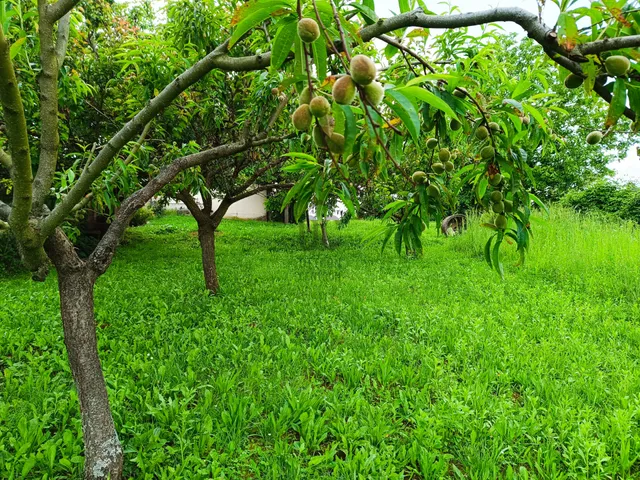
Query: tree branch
[257, 174]
[417, 18]
[130, 158]
[48, 83]
[16, 129]
[5, 160]
[400, 46]
[574, 67]
[608, 44]
[57, 10]
[259, 189]
[185, 197]
[101, 257]
[62, 38]
[216, 59]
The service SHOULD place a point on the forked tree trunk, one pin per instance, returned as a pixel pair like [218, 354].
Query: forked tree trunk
[102, 449]
[207, 238]
[325, 237]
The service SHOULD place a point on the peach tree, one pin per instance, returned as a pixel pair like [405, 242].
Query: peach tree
[360, 128]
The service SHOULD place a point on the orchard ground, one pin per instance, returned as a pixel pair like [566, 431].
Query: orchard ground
[341, 363]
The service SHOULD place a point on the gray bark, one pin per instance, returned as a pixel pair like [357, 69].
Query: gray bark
[103, 452]
[325, 237]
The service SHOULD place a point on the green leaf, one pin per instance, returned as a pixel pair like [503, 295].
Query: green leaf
[404, 6]
[482, 188]
[487, 251]
[254, 19]
[320, 57]
[406, 111]
[433, 76]
[428, 97]
[283, 41]
[537, 115]
[398, 239]
[618, 102]
[495, 256]
[350, 129]
[514, 103]
[539, 202]
[304, 156]
[367, 13]
[16, 47]
[521, 88]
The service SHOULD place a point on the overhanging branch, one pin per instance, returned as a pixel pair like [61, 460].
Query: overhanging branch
[608, 44]
[219, 58]
[103, 254]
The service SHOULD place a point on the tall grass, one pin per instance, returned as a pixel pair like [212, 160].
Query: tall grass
[342, 362]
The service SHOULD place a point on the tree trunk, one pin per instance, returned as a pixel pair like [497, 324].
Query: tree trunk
[308, 221]
[207, 238]
[103, 452]
[323, 227]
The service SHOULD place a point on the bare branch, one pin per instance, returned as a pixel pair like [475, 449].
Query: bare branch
[216, 59]
[5, 160]
[48, 83]
[185, 197]
[417, 18]
[276, 113]
[258, 173]
[608, 44]
[400, 46]
[103, 254]
[259, 189]
[62, 38]
[57, 10]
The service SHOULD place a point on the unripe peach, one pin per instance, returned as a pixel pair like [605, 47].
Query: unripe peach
[363, 70]
[308, 30]
[301, 118]
[319, 106]
[344, 90]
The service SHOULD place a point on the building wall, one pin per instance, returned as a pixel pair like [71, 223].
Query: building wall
[248, 208]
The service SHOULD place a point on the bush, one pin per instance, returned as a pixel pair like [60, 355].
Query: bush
[141, 217]
[623, 201]
[158, 206]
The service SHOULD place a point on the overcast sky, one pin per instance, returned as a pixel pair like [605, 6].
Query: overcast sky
[627, 169]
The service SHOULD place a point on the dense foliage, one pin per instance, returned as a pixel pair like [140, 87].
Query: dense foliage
[106, 105]
[620, 200]
[380, 367]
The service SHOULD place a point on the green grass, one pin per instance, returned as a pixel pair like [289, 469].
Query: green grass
[341, 363]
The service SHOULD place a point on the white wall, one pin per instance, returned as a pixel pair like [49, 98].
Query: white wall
[248, 208]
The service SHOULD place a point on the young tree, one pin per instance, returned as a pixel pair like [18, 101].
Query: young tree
[328, 30]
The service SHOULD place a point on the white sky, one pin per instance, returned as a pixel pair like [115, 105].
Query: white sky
[627, 169]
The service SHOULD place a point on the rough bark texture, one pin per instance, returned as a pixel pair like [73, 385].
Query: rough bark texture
[325, 237]
[103, 452]
[207, 225]
[207, 238]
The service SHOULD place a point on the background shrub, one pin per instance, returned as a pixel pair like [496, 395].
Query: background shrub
[142, 216]
[621, 200]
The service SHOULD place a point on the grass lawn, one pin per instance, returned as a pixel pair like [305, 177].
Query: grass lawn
[341, 363]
